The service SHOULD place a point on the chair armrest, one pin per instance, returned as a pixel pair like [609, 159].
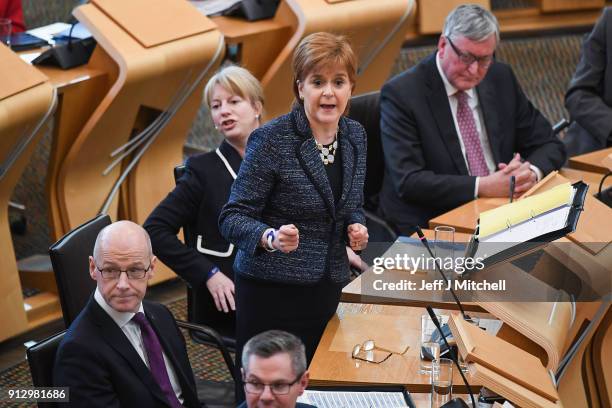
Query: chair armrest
[215, 338]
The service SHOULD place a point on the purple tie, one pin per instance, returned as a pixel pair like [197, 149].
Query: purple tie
[156, 359]
[469, 134]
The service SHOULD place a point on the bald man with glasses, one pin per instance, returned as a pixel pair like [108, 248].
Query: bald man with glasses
[457, 126]
[122, 351]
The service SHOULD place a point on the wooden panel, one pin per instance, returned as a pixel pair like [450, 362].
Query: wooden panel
[17, 75]
[375, 28]
[357, 291]
[20, 113]
[81, 90]
[572, 386]
[588, 177]
[432, 13]
[594, 161]
[548, 6]
[595, 222]
[248, 37]
[465, 217]
[135, 99]
[392, 327]
[155, 22]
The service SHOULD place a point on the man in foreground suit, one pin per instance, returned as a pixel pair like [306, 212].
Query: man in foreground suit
[457, 126]
[589, 97]
[274, 371]
[121, 350]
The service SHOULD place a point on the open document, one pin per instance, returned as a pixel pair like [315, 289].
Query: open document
[354, 399]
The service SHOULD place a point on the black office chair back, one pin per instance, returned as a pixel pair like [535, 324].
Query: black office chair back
[71, 266]
[365, 109]
[41, 358]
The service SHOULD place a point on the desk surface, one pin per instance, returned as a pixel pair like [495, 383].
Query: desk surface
[593, 161]
[237, 29]
[464, 218]
[354, 292]
[392, 327]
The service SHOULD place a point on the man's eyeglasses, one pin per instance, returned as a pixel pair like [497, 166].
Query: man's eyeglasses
[132, 273]
[468, 59]
[368, 347]
[280, 388]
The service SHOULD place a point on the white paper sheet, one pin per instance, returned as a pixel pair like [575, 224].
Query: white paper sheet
[340, 399]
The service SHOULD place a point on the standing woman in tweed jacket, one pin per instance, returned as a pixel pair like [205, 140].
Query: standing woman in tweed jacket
[297, 201]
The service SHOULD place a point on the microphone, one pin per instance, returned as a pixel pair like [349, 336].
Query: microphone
[424, 241]
[455, 402]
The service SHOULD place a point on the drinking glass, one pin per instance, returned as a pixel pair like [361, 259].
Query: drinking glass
[444, 246]
[441, 382]
[430, 350]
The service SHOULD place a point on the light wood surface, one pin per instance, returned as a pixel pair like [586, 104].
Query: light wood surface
[155, 22]
[22, 113]
[593, 161]
[392, 327]
[570, 5]
[432, 13]
[514, 363]
[573, 386]
[247, 37]
[362, 289]
[81, 90]
[134, 98]
[593, 228]
[13, 83]
[375, 28]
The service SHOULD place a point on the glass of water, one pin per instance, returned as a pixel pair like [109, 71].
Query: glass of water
[444, 248]
[430, 349]
[441, 382]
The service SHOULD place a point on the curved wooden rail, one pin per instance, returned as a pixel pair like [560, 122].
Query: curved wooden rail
[24, 109]
[375, 28]
[145, 116]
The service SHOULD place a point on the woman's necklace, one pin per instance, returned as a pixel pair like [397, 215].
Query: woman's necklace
[328, 152]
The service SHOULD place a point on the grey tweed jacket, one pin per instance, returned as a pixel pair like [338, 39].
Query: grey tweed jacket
[282, 180]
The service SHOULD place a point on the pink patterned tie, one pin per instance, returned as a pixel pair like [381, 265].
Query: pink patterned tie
[469, 134]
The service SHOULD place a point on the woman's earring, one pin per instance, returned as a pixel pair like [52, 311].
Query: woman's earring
[257, 116]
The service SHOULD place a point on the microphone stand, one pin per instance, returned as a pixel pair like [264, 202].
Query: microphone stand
[426, 244]
[455, 401]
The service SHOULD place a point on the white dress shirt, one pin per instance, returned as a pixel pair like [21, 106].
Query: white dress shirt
[474, 106]
[132, 332]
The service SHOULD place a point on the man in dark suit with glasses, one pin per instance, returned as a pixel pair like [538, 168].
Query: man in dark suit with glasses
[121, 350]
[274, 371]
[458, 126]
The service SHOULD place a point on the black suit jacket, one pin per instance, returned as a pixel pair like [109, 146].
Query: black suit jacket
[589, 97]
[196, 202]
[102, 368]
[425, 173]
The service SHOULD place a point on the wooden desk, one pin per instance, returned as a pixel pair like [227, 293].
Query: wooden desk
[464, 218]
[245, 41]
[27, 101]
[393, 327]
[593, 161]
[360, 289]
